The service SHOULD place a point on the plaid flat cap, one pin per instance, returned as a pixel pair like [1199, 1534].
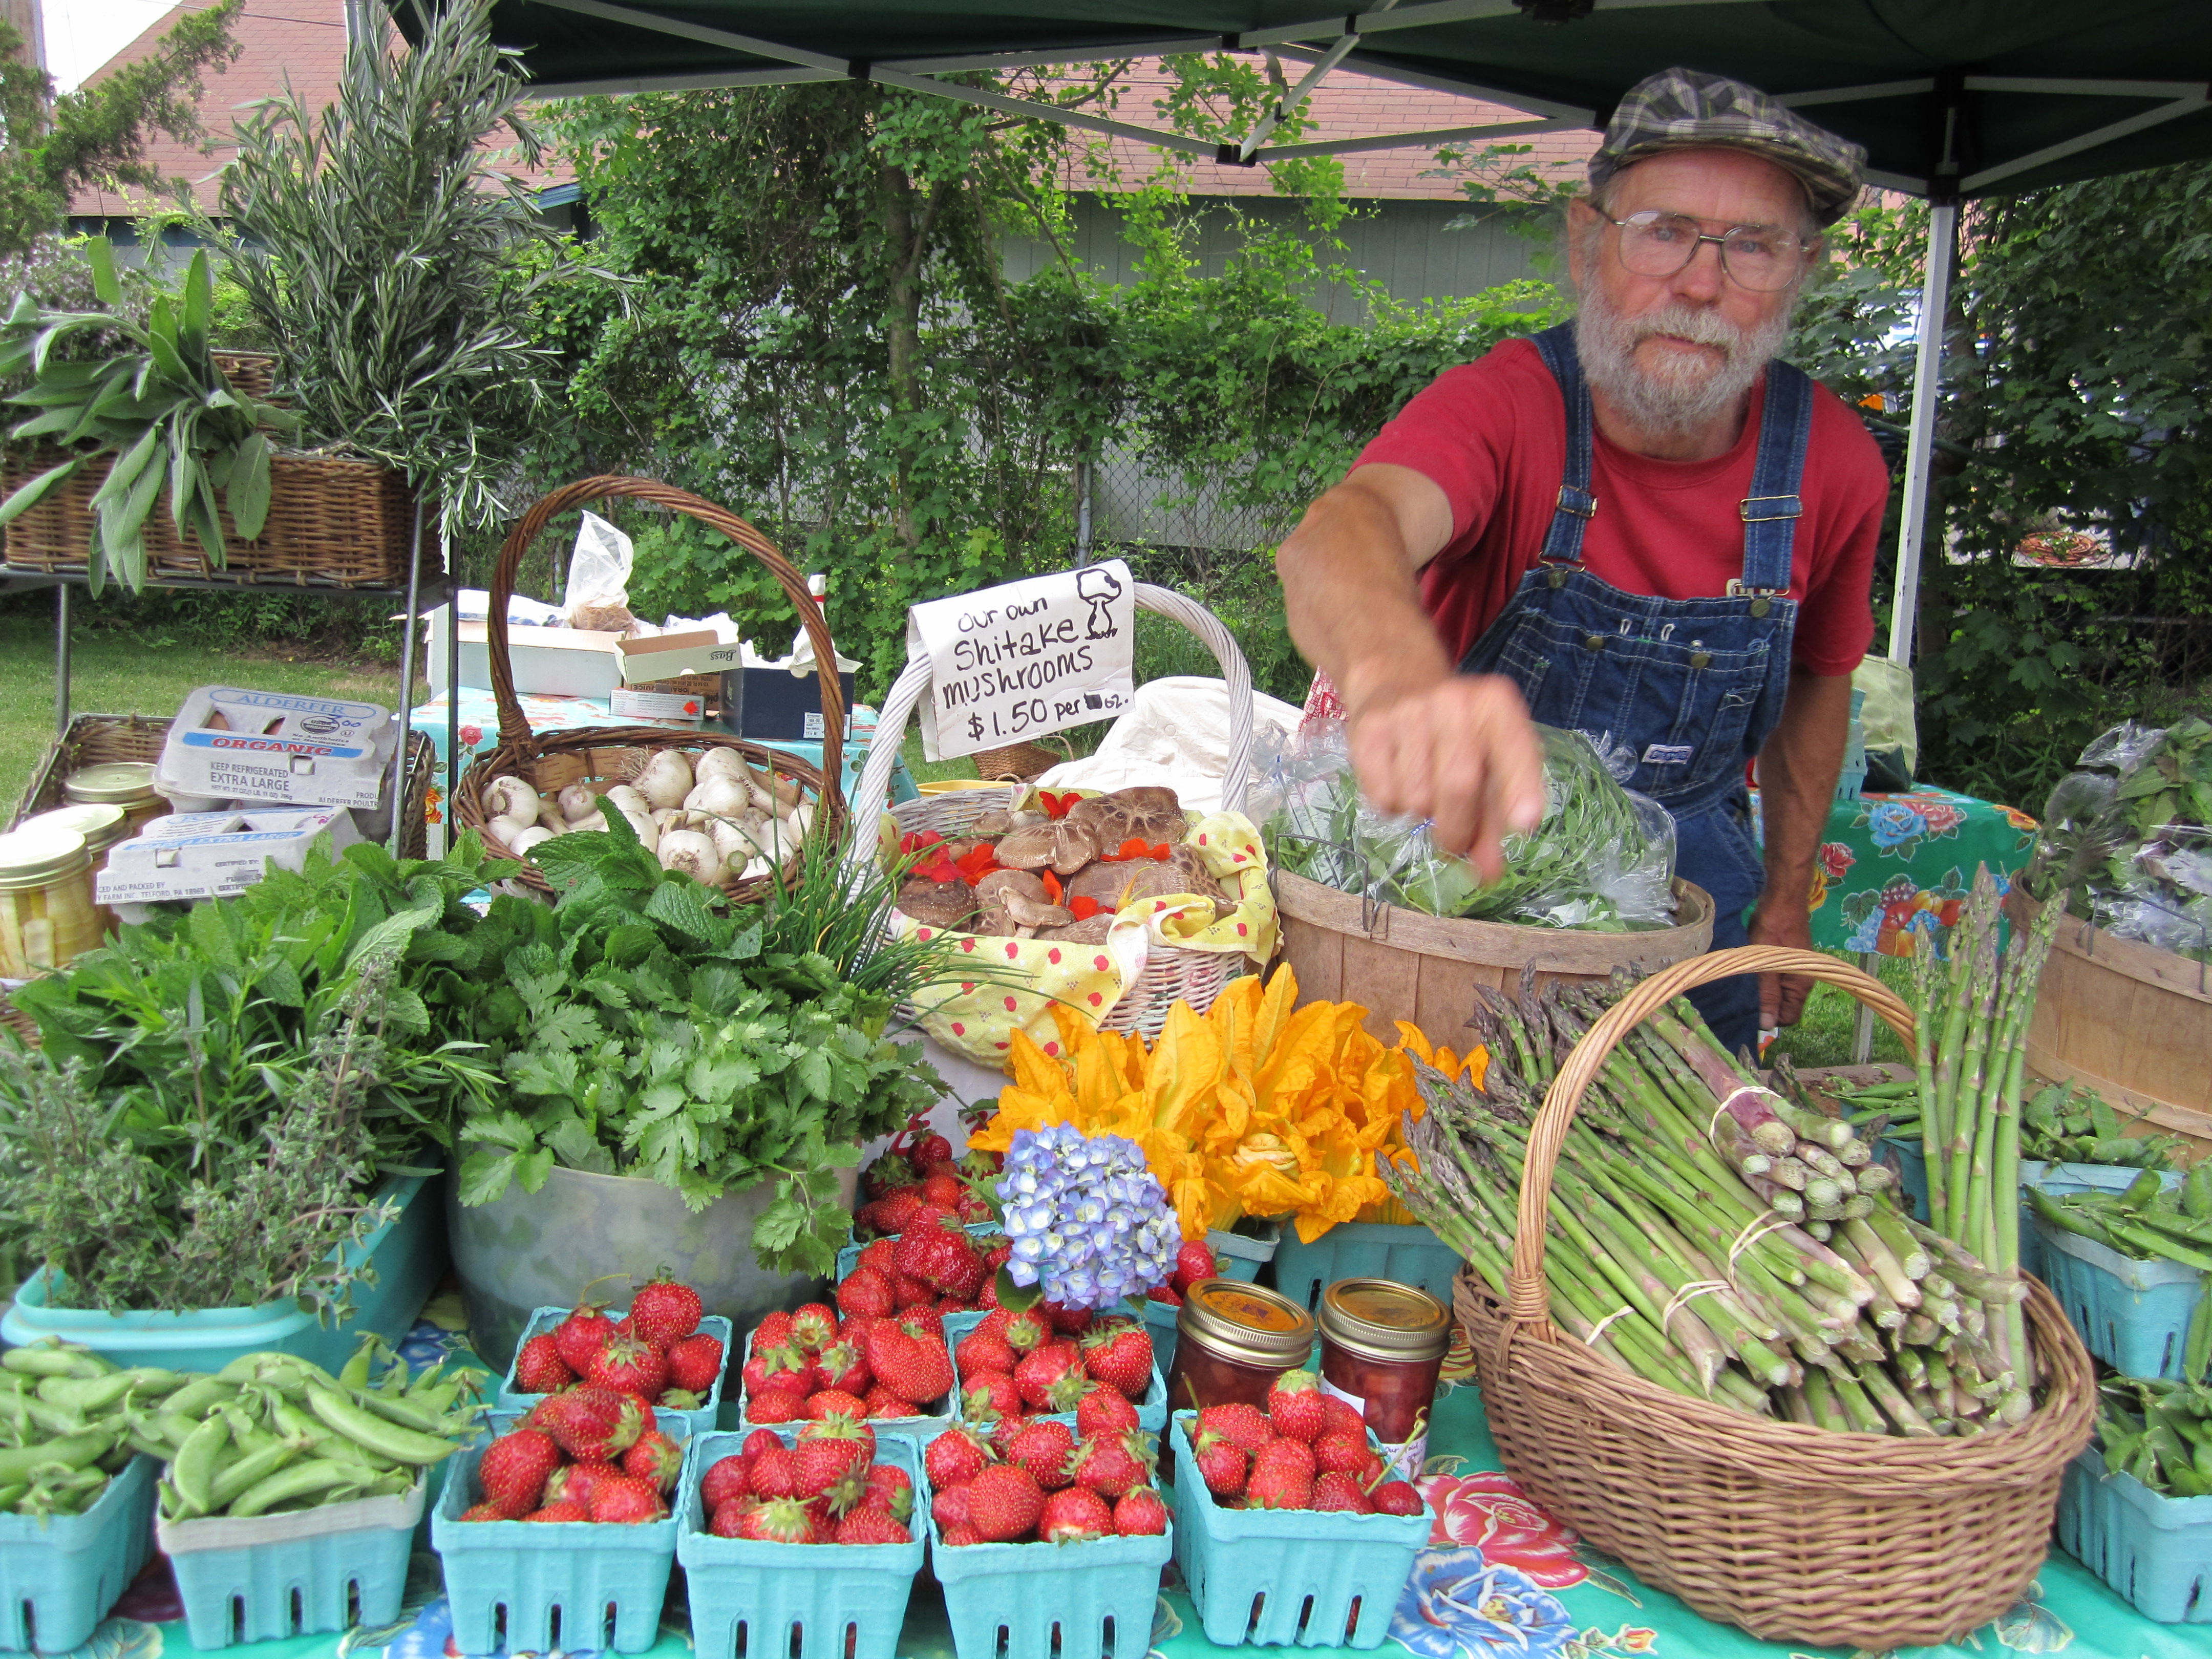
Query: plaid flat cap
[1683, 109]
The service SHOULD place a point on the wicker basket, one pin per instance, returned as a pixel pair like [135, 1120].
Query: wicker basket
[333, 522]
[253, 372]
[1171, 974]
[1018, 762]
[604, 755]
[96, 739]
[1794, 1533]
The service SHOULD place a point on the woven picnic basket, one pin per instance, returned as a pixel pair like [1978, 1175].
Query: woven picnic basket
[601, 757]
[1171, 974]
[1794, 1533]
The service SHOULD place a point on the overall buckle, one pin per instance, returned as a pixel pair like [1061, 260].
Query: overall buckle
[1783, 507]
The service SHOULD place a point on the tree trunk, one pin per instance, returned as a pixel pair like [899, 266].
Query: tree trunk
[909, 221]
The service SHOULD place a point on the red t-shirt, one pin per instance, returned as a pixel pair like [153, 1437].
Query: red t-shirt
[1492, 435]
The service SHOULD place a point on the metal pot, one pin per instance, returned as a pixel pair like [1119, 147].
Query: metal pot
[528, 1250]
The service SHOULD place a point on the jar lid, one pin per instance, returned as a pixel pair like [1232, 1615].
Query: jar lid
[32, 858]
[125, 782]
[1381, 1319]
[101, 822]
[1246, 1323]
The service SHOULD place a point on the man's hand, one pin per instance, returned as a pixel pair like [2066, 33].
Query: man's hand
[1782, 996]
[1460, 751]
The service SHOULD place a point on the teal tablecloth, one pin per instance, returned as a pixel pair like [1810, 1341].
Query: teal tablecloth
[1893, 865]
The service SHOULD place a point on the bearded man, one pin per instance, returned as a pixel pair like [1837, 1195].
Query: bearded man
[1639, 524]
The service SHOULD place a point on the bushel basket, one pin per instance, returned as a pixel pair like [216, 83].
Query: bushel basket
[1171, 974]
[1794, 1533]
[601, 757]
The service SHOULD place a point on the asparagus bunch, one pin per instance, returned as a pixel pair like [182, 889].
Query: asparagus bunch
[2065, 1123]
[1710, 1235]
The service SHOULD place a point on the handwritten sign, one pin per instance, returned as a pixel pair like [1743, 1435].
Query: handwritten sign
[1010, 663]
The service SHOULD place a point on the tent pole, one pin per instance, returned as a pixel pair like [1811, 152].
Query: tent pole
[1926, 379]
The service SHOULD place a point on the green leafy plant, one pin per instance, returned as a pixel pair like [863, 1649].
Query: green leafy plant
[179, 431]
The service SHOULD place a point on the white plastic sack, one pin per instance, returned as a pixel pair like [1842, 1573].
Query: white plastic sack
[599, 574]
[1175, 732]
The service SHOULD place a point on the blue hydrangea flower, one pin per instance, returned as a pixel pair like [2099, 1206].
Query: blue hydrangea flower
[1086, 1219]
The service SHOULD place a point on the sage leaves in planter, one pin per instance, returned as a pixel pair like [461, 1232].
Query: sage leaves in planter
[179, 431]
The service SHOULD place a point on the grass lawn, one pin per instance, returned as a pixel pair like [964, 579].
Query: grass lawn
[114, 673]
[1824, 1036]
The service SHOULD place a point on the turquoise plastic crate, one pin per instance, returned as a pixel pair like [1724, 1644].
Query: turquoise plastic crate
[1087, 1601]
[2133, 1315]
[795, 1601]
[1364, 1249]
[60, 1577]
[512, 1399]
[409, 1255]
[1236, 1256]
[1273, 1577]
[270, 1576]
[848, 1253]
[2054, 1178]
[1152, 1410]
[517, 1586]
[1160, 1321]
[921, 1430]
[2155, 1551]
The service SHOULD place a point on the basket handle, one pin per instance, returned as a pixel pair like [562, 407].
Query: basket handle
[872, 793]
[514, 730]
[1529, 1299]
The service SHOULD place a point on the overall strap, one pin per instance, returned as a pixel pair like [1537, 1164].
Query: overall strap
[1563, 542]
[1772, 510]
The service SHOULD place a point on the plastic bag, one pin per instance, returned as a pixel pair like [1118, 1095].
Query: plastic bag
[1887, 721]
[597, 593]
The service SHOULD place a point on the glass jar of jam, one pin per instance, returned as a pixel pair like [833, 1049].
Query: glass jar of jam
[1381, 1347]
[1232, 1340]
[47, 919]
[126, 784]
[102, 824]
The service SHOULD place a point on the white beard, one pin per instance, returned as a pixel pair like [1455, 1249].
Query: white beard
[1688, 396]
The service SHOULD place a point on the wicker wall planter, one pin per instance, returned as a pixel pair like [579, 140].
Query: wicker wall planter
[1794, 1533]
[333, 522]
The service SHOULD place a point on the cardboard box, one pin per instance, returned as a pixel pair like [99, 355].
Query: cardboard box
[664, 656]
[192, 867]
[667, 707]
[236, 744]
[550, 662]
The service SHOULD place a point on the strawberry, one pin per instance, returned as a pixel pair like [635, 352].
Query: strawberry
[1139, 1513]
[1003, 1503]
[987, 1295]
[1342, 1454]
[983, 1350]
[954, 1537]
[869, 1526]
[1193, 1261]
[1396, 1498]
[625, 1500]
[895, 1211]
[784, 1365]
[828, 1451]
[881, 1256]
[914, 1369]
[727, 1477]
[679, 1399]
[485, 1512]
[814, 1327]
[1342, 1417]
[923, 1320]
[1068, 1321]
[559, 1511]
[1120, 1355]
[579, 1338]
[539, 1368]
[1281, 1478]
[1113, 1464]
[730, 1518]
[1046, 1450]
[891, 1489]
[663, 1312]
[997, 1250]
[1247, 1425]
[695, 1363]
[883, 1403]
[773, 1332]
[834, 1402]
[758, 1441]
[1295, 1408]
[1074, 1516]
[955, 1458]
[1025, 1331]
[950, 1304]
[1051, 1379]
[514, 1470]
[774, 1472]
[1001, 1434]
[865, 1291]
[629, 1366]
[990, 1394]
[948, 1506]
[1222, 1463]
[589, 1422]
[943, 1189]
[843, 1368]
[1336, 1492]
[655, 1458]
[1162, 1293]
[573, 1483]
[777, 1405]
[930, 1151]
[907, 1292]
[1103, 1411]
[780, 1521]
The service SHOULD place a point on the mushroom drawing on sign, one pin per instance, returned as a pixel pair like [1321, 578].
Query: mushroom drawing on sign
[1101, 589]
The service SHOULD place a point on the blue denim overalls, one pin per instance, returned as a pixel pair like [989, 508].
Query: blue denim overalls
[1687, 688]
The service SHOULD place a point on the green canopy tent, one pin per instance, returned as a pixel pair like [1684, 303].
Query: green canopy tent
[1953, 99]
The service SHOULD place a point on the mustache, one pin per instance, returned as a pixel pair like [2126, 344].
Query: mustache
[1696, 324]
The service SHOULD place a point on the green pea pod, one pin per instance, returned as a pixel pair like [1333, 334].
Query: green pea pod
[407, 1414]
[250, 1470]
[193, 1469]
[74, 1451]
[2188, 1483]
[364, 1428]
[48, 1358]
[2143, 1189]
[2148, 1244]
[2197, 1193]
[12, 1494]
[15, 1382]
[85, 1394]
[139, 1439]
[193, 1399]
[299, 1480]
[248, 1435]
[2196, 1347]
[355, 1373]
[117, 1458]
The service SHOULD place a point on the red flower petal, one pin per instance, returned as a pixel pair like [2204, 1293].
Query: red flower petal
[1052, 887]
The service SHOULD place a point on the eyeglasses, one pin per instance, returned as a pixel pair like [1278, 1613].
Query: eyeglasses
[1655, 244]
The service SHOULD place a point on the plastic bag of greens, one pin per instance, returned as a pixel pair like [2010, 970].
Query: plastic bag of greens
[2122, 749]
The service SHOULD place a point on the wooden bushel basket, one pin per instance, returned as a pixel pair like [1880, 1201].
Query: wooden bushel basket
[601, 757]
[1794, 1533]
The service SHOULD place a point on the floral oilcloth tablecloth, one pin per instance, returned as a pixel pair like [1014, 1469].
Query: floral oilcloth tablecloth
[1891, 866]
[1499, 1580]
